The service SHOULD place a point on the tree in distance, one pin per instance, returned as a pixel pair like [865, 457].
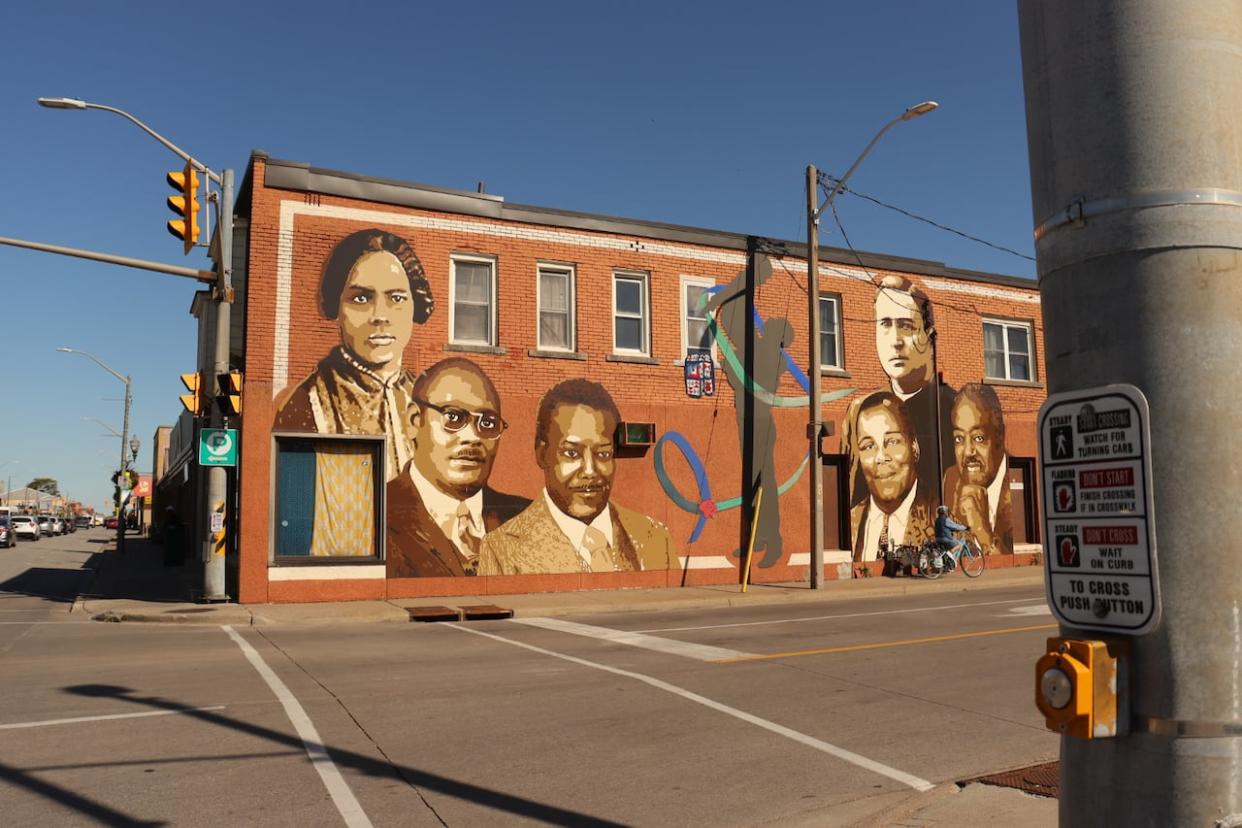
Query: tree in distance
[47, 485]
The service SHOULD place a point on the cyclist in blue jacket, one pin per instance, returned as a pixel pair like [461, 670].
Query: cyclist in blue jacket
[945, 527]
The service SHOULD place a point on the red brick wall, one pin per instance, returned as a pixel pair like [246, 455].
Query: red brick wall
[652, 393]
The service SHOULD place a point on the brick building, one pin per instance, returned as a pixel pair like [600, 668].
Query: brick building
[353, 287]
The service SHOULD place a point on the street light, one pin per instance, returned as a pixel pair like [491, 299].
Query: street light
[8, 488]
[134, 444]
[814, 427]
[97, 421]
[217, 482]
[124, 435]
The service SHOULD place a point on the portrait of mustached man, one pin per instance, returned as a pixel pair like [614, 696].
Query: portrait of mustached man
[573, 525]
[440, 506]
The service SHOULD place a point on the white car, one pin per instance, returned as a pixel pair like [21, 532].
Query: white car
[24, 526]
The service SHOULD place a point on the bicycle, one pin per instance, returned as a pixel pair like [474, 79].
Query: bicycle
[934, 559]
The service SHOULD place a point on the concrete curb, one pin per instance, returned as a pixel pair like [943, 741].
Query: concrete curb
[547, 604]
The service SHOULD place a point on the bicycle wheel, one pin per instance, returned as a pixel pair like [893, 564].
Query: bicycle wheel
[931, 566]
[972, 559]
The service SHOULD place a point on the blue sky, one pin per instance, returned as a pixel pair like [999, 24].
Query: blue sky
[703, 114]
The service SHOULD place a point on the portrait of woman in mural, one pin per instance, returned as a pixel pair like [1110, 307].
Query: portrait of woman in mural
[976, 487]
[573, 525]
[374, 287]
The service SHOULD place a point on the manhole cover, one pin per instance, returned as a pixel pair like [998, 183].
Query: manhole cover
[1042, 780]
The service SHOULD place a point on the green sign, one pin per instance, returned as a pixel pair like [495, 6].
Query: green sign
[217, 447]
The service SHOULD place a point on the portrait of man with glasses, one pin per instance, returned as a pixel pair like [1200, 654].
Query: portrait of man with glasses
[440, 506]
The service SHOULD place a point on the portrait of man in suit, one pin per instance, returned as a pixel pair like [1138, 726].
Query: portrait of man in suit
[976, 487]
[440, 506]
[904, 341]
[573, 525]
[898, 508]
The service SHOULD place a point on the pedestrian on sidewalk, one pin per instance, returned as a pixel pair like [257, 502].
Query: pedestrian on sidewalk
[174, 538]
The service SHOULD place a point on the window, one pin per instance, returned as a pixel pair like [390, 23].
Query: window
[327, 498]
[830, 333]
[473, 299]
[696, 336]
[629, 313]
[1007, 350]
[556, 308]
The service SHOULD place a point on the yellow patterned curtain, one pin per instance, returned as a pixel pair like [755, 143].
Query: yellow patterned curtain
[344, 501]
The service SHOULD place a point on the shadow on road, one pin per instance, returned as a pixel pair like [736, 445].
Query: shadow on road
[48, 583]
[420, 780]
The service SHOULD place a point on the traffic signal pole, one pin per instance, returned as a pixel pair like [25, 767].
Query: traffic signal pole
[1133, 128]
[214, 543]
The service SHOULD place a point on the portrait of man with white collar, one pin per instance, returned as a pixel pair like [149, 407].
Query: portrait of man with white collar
[440, 506]
[976, 488]
[573, 525]
[899, 508]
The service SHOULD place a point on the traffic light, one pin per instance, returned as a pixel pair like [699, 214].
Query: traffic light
[184, 204]
[193, 401]
[230, 397]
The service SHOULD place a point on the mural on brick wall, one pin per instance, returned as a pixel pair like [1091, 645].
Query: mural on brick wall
[442, 430]
[907, 441]
[755, 355]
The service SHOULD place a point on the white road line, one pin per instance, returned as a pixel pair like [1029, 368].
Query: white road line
[810, 741]
[700, 652]
[1032, 609]
[830, 617]
[78, 719]
[340, 792]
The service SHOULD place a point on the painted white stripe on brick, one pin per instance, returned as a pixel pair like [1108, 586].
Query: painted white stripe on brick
[325, 573]
[980, 290]
[342, 797]
[110, 717]
[706, 562]
[789, 733]
[699, 652]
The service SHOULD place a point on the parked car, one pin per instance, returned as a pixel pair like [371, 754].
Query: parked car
[58, 525]
[24, 526]
[111, 522]
[45, 525]
[82, 521]
[7, 538]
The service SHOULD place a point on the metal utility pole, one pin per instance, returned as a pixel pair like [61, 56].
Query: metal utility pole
[814, 428]
[814, 359]
[217, 477]
[1134, 132]
[120, 524]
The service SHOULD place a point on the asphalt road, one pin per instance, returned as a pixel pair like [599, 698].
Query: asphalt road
[807, 715]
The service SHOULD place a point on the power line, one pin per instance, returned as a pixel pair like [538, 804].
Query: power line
[835, 183]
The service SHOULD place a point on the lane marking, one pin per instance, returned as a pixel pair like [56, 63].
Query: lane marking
[829, 617]
[329, 774]
[853, 648]
[1032, 609]
[802, 738]
[700, 652]
[110, 717]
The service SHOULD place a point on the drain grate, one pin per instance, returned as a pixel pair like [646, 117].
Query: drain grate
[1041, 780]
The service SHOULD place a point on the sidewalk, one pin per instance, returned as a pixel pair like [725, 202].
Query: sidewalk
[136, 586]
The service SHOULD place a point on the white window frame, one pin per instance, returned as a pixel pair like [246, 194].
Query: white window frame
[644, 279]
[572, 328]
[493, 327]
[839, 365]
[692, 281]
[1005, 325]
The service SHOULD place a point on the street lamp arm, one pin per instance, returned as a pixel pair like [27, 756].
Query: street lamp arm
[912, 112]
[74, 103]
[98, 362]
